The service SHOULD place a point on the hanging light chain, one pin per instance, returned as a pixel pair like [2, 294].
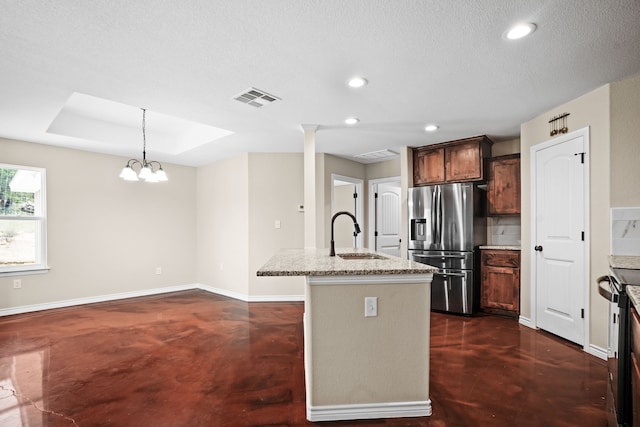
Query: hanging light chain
[144, 137]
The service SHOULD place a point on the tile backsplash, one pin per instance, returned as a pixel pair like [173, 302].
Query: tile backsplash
[504, 230]
[625, 231]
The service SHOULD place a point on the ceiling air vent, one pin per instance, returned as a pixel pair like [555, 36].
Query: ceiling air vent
[255, 97]
[374, 155]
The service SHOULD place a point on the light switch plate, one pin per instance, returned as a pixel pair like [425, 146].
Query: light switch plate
[370, 306]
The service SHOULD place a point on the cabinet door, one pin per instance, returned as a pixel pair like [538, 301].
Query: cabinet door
[501, 288]
[463, 162]
[504, 186]
[428, 166]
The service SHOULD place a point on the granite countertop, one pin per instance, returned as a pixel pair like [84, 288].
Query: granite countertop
[623, 261]
[502, 247]
[317, 262]
[634, 295]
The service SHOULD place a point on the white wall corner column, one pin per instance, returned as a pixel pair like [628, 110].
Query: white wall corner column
[309, 131]
[406, 181]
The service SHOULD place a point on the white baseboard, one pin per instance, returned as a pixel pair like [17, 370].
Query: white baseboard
[92, 300]
[525, 321]
[369, 411]
[147, 292]
[597, 351]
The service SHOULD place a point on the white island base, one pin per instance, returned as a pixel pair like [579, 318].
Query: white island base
[359, 367]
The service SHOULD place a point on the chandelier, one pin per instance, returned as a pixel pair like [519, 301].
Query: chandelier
[150, 171]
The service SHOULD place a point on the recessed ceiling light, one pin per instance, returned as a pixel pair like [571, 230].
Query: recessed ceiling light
[357, 82]
[351, 120]
[431, 128]
[520, 30]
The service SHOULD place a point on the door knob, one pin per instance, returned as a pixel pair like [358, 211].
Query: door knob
[538, 248]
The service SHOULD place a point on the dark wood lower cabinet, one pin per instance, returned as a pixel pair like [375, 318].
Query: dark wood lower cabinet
[635, 368]
[500, 282]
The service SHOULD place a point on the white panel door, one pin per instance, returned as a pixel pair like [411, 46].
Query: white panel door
[388, 219]
[559, 245]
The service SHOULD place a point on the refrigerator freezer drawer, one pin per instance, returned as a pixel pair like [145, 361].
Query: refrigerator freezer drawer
[445, 260]
[452, 291]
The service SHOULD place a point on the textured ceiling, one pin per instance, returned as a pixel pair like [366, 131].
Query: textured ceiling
[427, 61]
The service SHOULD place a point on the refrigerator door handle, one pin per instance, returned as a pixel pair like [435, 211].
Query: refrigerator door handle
[433, 216]
[448, 274]
[443, 257]
[437, 207]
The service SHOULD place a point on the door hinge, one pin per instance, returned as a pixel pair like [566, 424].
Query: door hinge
[583, 236]
[582, 313]
[581, 156]
[355, 195]
[375, 196]
[375, 234]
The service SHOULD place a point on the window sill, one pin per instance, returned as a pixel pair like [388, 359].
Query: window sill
[29, 272]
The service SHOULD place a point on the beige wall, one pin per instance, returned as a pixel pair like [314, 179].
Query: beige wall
[239, 201]
[276, 189]
[504, 148]
[326, 164]
[625, 143]
[590, 110]
[343, 226]
[386, 169]
[105, 235]
[223, 225]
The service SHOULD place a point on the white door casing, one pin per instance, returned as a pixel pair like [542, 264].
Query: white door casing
[385, 209]
[559, 222]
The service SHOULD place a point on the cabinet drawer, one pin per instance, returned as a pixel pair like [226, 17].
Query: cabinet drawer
[498, 258]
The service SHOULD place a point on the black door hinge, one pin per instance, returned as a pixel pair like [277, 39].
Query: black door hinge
[583, 236]
[375, 196]
[582, 313]
[581, 156]
[375, 234]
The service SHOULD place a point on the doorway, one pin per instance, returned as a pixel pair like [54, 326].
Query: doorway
[385, 225]
[346, 196]
[559, 226]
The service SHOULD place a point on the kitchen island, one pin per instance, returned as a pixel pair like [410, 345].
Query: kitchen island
[366, 332]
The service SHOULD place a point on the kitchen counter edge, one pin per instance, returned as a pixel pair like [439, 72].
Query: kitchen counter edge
[317, 262]
[625, 261]
[501, 247]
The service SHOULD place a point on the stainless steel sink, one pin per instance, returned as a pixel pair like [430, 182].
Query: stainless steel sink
[361, 256]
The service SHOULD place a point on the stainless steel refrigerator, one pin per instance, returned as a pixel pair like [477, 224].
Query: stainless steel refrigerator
[447, 223]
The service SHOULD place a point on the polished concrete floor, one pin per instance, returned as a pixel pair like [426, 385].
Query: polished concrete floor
[196, 359]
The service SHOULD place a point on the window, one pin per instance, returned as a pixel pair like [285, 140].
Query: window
[23, 227]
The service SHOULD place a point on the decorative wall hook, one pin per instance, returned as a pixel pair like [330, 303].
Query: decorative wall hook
[558, 124]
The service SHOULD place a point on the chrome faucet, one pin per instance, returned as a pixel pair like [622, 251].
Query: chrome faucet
[355, 226]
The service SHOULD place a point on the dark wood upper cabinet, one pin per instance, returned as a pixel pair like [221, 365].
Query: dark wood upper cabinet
[456, 161]
[428, 166]
[503, 189]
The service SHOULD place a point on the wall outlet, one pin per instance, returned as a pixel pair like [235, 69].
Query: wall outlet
[158, 270]
[17, 283]
[370, 306]
[277, 223]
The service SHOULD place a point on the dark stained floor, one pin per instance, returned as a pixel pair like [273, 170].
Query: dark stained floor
[196, 359]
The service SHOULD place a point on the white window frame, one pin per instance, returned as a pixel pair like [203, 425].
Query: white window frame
[41, 265]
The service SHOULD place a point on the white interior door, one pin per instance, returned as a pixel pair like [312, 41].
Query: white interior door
[387, 231]
[559, 256]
